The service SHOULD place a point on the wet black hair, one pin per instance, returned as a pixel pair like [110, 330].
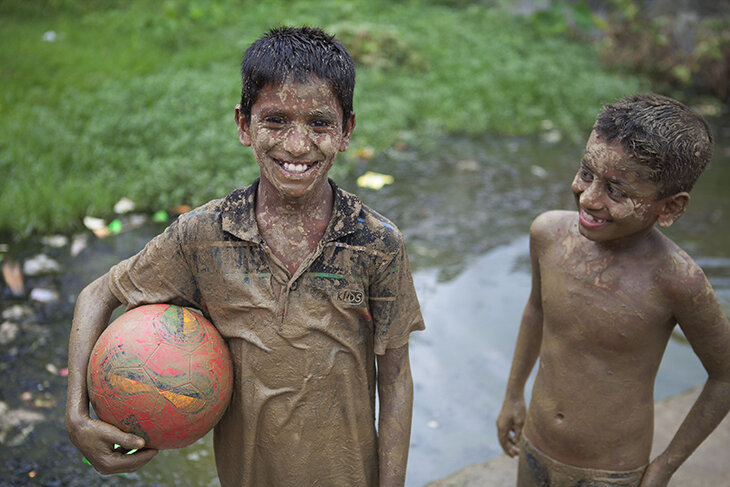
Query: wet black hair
[297, 53]
[666, 136]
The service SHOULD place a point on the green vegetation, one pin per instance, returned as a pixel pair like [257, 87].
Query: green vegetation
[677, 51]
[109, 99]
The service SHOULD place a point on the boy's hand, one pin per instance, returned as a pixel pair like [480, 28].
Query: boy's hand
[509, 426]
[96, 440]
[657, 475]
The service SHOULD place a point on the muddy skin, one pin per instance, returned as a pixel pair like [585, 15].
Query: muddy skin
[608, 288]
[295, 133]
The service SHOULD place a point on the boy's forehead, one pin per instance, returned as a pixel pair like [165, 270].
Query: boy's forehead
[600, 151]
[314, 90]
[613, 156]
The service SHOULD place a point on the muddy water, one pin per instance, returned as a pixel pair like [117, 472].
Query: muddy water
[465, 207]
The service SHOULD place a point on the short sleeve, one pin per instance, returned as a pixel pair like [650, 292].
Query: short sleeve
[159, 273]
[394, 304]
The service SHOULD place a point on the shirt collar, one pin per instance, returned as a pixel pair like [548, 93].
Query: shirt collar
[238, 214]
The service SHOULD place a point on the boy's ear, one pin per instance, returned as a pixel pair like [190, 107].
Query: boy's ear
[244, 133]
[347, 133]
[672, 208]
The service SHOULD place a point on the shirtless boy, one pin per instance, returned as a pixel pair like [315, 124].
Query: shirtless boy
[309, 287]
[607, 290]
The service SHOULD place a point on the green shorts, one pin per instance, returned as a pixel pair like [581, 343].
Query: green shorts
[536, 469]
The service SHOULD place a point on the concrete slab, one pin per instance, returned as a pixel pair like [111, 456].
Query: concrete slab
[709, 465]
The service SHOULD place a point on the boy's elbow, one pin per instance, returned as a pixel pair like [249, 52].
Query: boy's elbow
[99, 292]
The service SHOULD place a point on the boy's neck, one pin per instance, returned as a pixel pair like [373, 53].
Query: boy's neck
[292, 229]
[637, 242]
[317, 205]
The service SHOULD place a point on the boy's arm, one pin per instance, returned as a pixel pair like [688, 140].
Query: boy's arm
[95, 439]
[512, 416]
[708, 332]
[395, 390]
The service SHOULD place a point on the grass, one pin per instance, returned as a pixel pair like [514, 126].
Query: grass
[136, 98]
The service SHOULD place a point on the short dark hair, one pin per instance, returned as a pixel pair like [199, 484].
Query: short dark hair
[297, 53]
[669, 138]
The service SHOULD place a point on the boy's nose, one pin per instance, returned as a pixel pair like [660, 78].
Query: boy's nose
[297, 141]
[590, 197]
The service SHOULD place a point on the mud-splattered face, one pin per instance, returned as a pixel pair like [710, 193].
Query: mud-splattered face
[615, 198]
[295, 134]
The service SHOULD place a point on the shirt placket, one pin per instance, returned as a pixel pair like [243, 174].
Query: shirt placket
[280, 277]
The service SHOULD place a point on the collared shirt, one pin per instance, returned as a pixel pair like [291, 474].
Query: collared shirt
[303, 345]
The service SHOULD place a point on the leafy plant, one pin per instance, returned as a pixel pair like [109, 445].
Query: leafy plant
[678, 50]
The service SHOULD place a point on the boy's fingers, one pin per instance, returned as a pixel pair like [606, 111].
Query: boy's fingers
[131, 442]
[141, 457]
[504, 440]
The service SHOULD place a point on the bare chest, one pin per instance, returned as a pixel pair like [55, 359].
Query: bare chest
[611, 305]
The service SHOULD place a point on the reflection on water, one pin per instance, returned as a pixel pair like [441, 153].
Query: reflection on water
[465, 209]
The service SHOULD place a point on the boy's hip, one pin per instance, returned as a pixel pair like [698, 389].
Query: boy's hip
[536, 469]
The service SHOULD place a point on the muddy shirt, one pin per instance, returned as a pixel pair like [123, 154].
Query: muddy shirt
[303, 406]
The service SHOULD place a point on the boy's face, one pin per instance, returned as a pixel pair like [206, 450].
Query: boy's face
[615, 197]
[295, 133]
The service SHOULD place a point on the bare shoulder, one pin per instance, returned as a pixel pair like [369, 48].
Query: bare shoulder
[552, 225]
[677, 274]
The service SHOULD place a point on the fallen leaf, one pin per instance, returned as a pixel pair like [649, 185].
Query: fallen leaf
[365, 153]
[374, 180]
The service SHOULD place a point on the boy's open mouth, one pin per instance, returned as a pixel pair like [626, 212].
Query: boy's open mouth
[590, 220]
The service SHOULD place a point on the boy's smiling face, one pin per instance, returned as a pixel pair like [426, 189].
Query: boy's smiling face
[296, 132]
[616, 199]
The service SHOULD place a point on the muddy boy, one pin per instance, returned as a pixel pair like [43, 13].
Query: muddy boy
[310, 288]
[607, 289]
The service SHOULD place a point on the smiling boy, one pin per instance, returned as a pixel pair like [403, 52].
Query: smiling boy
[608, 288]
[309, 287]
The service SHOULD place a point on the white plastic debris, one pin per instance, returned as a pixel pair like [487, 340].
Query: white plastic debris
[43, 295]
[79, 243]
[8, 332]
[93, 223]
[40, 264]
[124, 205]
[55, 241]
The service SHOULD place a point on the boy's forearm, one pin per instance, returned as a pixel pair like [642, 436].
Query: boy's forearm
[93, 309]
[395, 390]
[706, 414]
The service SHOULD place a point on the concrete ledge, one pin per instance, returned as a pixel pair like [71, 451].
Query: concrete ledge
[709, 466]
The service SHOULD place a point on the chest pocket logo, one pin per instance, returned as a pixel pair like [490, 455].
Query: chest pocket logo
[350, 297]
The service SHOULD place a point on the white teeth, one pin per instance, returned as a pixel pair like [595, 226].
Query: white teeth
[297, 168]
[590, 218]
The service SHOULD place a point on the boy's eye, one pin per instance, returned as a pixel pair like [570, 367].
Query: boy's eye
[274, 120]
[615, 193]
[321, 124]
[585, 175]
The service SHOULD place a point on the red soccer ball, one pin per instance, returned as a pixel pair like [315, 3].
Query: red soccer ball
[161, 372]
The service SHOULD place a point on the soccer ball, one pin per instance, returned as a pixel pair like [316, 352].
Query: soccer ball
[162, 372]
